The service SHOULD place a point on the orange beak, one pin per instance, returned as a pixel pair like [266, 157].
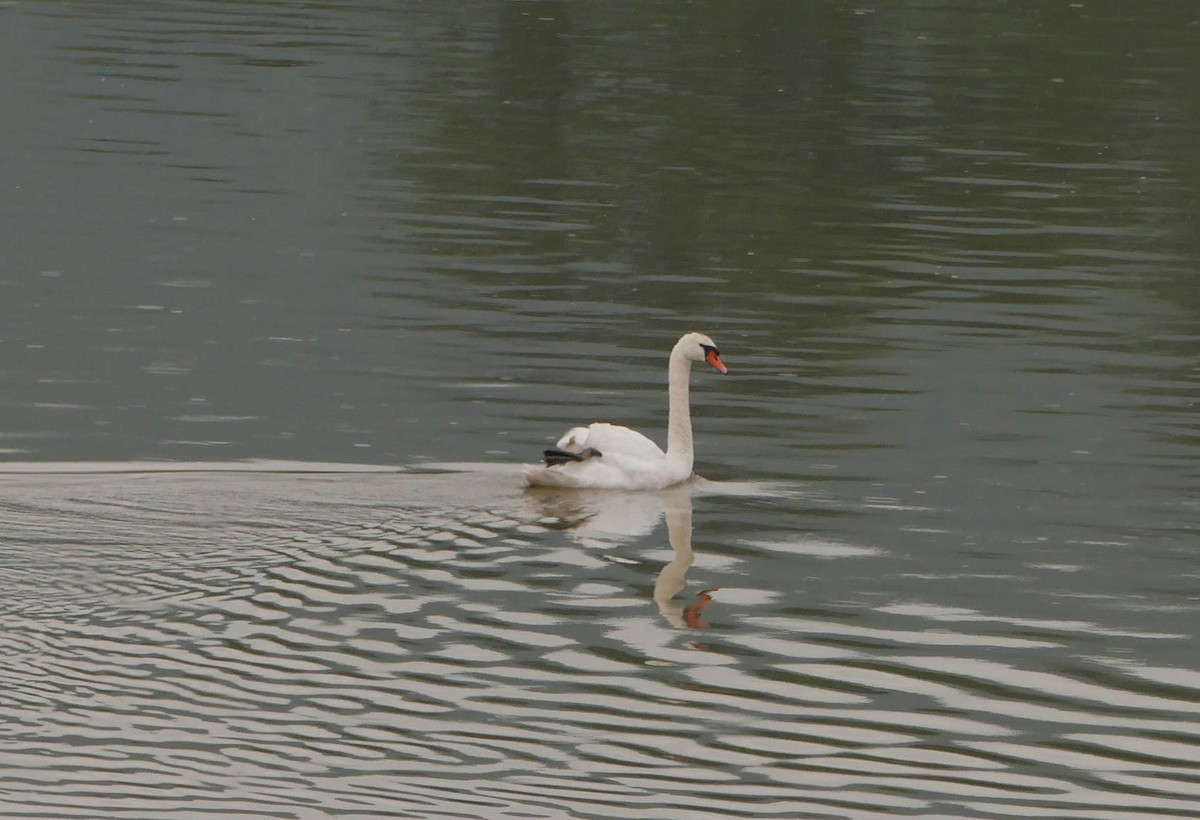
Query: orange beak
[714, 358]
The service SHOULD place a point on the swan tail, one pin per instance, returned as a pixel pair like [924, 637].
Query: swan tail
[538, 476]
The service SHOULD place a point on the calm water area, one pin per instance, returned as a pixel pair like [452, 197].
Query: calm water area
[289, 291]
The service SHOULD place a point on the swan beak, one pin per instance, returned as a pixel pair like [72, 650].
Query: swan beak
[714, 358]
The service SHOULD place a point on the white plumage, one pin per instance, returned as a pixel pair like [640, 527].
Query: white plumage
[606, 456]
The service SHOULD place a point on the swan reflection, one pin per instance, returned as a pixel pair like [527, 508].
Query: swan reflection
[605, 518]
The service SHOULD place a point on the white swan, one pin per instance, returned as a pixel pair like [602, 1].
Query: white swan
[604, 456]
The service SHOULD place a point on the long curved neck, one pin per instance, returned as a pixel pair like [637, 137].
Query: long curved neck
[679, 418]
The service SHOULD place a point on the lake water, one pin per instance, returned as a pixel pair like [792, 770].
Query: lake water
[288, 292]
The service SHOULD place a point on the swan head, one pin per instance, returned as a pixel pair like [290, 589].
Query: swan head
[697, 347]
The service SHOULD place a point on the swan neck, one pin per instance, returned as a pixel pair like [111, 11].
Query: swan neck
[679, 419]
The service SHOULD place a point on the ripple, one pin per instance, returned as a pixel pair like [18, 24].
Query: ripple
[279, 641]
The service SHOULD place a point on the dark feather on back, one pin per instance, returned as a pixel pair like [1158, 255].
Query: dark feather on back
[554, 456]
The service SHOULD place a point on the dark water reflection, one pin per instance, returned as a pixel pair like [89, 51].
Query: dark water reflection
[949, 251]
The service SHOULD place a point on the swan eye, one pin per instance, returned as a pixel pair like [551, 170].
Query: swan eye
[713, 357]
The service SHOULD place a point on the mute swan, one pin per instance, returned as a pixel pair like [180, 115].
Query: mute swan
[605, 456]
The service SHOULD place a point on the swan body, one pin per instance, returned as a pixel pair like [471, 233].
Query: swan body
[605, 456]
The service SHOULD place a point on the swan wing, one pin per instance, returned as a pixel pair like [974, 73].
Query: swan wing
[609, 457]
[616, 472]
[610, 440]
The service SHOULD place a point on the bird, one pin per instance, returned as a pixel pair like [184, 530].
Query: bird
[607, 456]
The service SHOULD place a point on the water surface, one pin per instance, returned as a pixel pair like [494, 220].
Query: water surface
[286, 294]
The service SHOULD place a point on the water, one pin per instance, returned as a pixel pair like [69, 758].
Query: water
[286, 294]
